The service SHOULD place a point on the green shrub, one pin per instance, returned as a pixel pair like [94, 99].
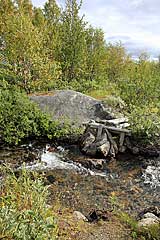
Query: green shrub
[23, 210]
[20, 118]
[131, 222]
[151, 232]
[145, 122]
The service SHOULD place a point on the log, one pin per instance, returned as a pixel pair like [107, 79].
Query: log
[104, 142]
[99, 133]
[121, 142]
[114, 122]
[117, 121]
[113, 143]
[124, 125]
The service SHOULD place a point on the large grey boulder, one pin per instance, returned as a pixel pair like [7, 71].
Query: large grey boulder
[73, 106]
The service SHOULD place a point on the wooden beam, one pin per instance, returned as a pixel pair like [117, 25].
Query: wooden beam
[112, 129]
[99, 132]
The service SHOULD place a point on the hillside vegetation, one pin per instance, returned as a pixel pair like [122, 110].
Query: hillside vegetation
[55, 48]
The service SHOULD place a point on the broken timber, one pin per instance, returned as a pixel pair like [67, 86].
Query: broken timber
[106, 137]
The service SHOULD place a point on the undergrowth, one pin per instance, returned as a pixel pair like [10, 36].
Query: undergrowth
[23, 207]
[20, 118]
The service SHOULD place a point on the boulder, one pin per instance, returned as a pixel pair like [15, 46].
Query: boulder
[146, 222]
[97, 163]
[155, 210]
[72, 106]
[150, 215]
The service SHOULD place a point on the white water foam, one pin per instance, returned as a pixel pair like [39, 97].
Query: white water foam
[53, 160]
[152, 176]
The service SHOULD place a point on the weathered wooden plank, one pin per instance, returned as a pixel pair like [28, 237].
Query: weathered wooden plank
[117, 121]
[121, 140]
[99, 132]
[112, 129]
[113, 143]
[124, 125]
[122, 148]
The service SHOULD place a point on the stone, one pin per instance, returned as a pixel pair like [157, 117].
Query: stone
[104, 149]
[97, 215]
[153, 209]
[150, 215]
[146, 222]
[79, 216]
[72, 106]
[88, 139]
[97, 163]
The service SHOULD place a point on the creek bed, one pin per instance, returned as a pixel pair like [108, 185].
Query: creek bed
[129, 182]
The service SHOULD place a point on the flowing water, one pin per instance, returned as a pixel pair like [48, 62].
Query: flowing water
[133, 181]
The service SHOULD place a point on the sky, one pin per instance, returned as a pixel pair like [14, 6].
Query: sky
[136, 23]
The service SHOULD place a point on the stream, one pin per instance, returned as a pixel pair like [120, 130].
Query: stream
[133, 181]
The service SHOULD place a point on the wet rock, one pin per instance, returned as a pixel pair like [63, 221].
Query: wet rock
[135, 150]
[92, 145]
[97, 163]
[79, 216]
[51, 179]
[87, 144]
[97, 215]
[31, 156]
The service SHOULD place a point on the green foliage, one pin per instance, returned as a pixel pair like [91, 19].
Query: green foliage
[116, 58]
[23, 49]
[151, 232]
[50, 48]
[73, 46]
[113, 200]
[145, 122]
[131, 222]
[23, 208]
[20, 118]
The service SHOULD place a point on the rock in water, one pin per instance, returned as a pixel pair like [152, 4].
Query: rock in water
[72, 106]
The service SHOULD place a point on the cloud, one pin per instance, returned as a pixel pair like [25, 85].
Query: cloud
[134, 22]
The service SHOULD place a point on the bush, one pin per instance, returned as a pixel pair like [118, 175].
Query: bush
[150, 233]
[23, 210]
[145, 122]
[20, 118]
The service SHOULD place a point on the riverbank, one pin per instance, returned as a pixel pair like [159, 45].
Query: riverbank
[120, 186]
